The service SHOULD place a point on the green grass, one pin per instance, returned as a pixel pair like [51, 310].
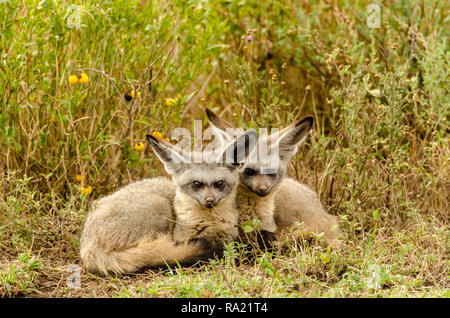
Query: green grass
[378, 157]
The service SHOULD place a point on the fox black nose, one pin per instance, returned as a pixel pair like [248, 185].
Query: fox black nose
[262, 191]
[210, 202]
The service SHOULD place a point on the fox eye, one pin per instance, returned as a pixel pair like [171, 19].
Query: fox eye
[249, 171]
[198, 184]
[218, 184]
[271, 174]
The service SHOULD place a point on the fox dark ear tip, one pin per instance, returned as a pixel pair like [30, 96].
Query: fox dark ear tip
[309, 119]
[150, 137]
[209, 112]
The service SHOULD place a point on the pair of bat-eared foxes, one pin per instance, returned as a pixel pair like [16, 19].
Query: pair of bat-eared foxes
[188, 218]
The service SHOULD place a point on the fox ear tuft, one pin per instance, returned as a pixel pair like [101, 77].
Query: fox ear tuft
[220, 127]
[293, 136]
[216, 121]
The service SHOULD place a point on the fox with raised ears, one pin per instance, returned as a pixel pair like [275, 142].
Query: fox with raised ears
[205, 197]
[157, 222]
[259, 180]
[279, 202]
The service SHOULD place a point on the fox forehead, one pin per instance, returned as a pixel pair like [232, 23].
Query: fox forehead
[208, 174]
[265, 170]
[266, 164]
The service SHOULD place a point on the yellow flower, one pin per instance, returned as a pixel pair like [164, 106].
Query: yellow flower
[132, 94]
[86, 190]
[83, 79]
[170, 101]
[139, 146]
[326, 259]
[73, 79]
[157, 134]
[80, 178]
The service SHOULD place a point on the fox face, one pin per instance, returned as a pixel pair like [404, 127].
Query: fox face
[260, 181]
[258, 176]
[207, 183]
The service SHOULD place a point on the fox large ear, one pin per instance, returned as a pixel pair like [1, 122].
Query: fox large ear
[293, 135]
[220, 126]
[169, 156]
[239, 150]
[216, 121]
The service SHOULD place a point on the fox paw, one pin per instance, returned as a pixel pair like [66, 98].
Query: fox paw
[210, 250]
[266, 239]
